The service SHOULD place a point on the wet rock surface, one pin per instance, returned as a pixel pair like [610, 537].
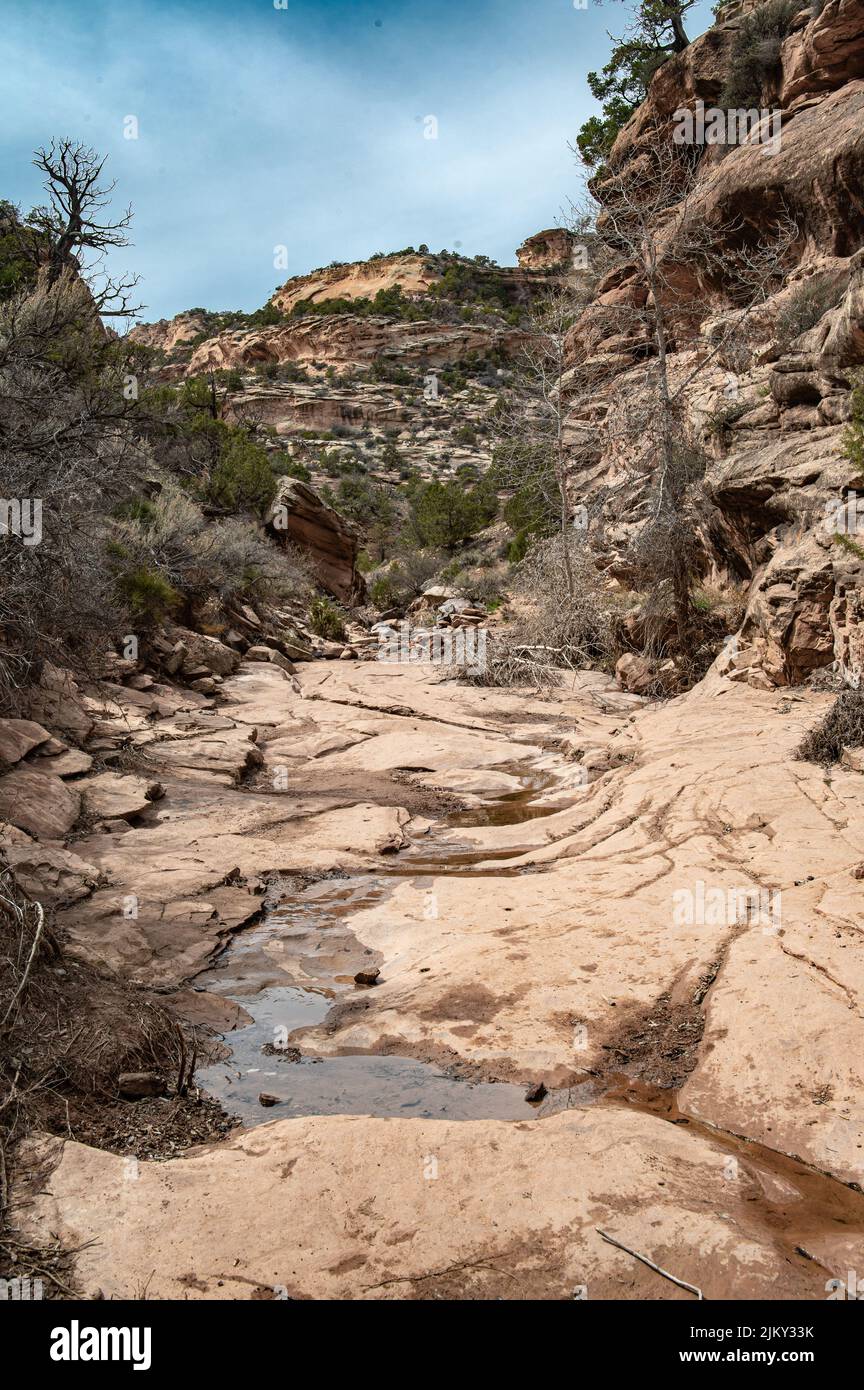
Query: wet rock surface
[560, 934]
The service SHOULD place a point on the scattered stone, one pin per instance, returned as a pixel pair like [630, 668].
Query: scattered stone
[275, 658]
[367, 977]
[267, 1100]
[179, 653]
[70, 763]
[116, 796]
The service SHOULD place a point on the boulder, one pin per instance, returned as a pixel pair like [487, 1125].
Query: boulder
[634, 673]
[57, 703]
[49, 874]
[71, 762]
[114, 795]
[18, 737]
[197, 655]
[262, 653]
[40, 804]
[298, 516]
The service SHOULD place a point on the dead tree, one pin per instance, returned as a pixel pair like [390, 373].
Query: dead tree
[71, 232]
[536, 418]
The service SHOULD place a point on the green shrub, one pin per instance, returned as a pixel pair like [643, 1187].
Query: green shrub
[326, 620]
[518, 547]
[465, 435]
[444, 514]
[383, 591]
[853, 443]
[147, 593]
[290, 468]
[17, 271]
[242, 479]
[756, 53]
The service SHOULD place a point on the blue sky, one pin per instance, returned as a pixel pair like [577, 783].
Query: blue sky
[303, 126]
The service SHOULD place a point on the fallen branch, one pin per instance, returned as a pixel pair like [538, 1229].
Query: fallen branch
[682, 1283]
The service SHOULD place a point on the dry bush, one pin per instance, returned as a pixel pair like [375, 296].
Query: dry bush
[842, 727]
[202, 559]
[66, 442]
[67, 1032]
[575, 631]
[509, 666]
[804, 308]
[556, 632]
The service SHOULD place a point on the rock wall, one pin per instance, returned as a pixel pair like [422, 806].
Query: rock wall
[346, 340]
[772, 420]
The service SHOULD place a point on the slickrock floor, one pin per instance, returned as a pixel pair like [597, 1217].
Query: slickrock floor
[704, 1066]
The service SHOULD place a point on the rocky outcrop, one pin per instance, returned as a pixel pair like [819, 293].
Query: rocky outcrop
[347, 340]
[549, 250]
[169, 334]
[298, 516]
[412, 271]
[826, 53]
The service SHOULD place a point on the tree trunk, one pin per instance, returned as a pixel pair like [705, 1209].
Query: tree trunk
[680, 40]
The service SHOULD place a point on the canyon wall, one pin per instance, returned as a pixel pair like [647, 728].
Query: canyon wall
[770, 409]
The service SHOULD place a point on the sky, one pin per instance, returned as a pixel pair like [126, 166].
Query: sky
[260, 125]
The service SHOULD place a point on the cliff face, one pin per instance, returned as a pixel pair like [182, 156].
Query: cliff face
[359, 280]
[345, 341]
[771, 410]
[385, 365]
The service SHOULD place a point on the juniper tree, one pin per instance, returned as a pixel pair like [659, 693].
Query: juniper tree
[655, 34]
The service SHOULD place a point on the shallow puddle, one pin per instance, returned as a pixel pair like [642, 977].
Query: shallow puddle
[308, 934]
[380, 1086]
[289, 970]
